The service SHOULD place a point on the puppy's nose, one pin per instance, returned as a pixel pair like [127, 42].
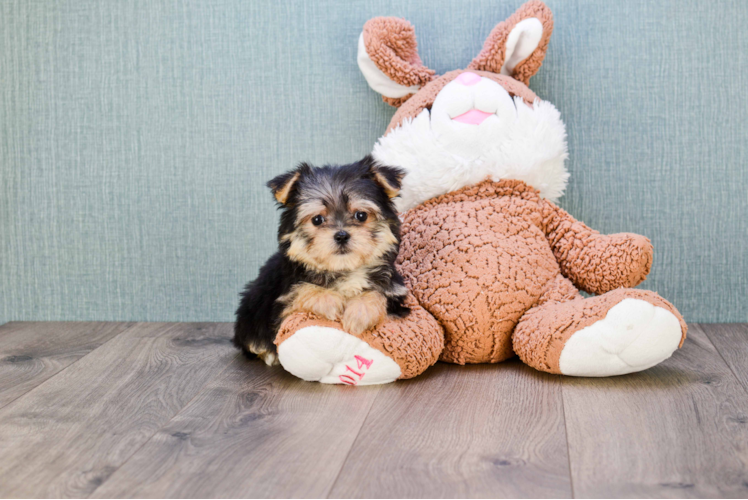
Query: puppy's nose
[342, 237]
[468, 78]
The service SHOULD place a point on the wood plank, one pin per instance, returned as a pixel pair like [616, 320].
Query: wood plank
[253, 432]
[677, 430]
[32, 352]
[731, 341]
[462, 431]
[66, 436]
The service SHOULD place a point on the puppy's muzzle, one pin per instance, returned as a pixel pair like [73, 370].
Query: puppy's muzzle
[342, 237]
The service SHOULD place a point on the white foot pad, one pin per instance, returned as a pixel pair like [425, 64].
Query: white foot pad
[633, 336]
[331, 356]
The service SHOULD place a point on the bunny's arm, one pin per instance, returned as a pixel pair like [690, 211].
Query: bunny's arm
[594, 262]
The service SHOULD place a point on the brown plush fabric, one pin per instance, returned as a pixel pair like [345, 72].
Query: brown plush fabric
[594, 262]
[491, 57]
[543, 331]
[479, 258]
[392, 47]
[424, 99]
[396, 102]
[559, 289]
[414, 343]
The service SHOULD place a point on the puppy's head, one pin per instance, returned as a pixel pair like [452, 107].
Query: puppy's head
[339, 218]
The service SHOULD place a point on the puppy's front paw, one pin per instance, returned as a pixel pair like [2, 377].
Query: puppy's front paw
[364, 312]
[266, 353]
[328, 305]
[270, 358]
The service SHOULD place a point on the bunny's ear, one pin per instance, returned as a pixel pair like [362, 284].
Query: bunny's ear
[388, 58]
[517, 46]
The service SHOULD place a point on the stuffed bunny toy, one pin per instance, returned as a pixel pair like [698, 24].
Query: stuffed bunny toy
[493, 265]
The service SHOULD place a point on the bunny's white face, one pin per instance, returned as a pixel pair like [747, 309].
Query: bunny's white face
[474, 132]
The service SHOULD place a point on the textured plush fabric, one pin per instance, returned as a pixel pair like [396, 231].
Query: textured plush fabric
[452, 244]
[543, 331]
[492, 57]
[136, 138]
[414, 343]
[397, 55]
[596, 263]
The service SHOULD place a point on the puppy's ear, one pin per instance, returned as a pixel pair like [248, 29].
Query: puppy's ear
[283, 185]
[390, 178]
[388, 58]
[517, 46]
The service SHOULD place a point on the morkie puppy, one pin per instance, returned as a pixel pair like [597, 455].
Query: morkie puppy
[338, 240]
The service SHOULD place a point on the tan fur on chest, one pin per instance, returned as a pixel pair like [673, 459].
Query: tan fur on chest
[353, 284]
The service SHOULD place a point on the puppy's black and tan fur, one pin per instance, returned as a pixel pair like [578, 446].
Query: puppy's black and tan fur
[338, 240]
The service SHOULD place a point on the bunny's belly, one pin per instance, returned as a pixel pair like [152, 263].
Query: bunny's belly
[477, 274]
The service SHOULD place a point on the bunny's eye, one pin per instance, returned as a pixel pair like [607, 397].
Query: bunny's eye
[317, 220]
[361, 216]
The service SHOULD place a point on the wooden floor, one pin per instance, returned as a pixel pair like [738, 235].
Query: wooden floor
[171, 410]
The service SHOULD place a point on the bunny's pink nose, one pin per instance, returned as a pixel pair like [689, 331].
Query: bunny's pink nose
[468, 78]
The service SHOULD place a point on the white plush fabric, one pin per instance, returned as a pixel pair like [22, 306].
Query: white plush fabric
[633, 336]
[440, 155]
[521, 42]
[376, 78]
[331, 356]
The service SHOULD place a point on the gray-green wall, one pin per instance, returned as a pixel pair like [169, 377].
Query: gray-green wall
[136, 137]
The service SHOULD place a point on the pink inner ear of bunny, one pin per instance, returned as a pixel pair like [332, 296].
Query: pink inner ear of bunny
[493, 54]
[391, 45]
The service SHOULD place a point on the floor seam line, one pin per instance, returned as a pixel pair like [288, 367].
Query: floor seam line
[353, 444]
[729, 366]
[200, 391]
[566, 433]
[134, 324]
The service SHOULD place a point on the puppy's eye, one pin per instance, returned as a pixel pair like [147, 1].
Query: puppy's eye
[317, 220]
[361, 216]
